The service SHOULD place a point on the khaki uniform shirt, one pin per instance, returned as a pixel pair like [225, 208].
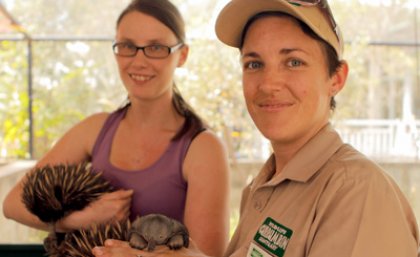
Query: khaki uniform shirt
[328, 201]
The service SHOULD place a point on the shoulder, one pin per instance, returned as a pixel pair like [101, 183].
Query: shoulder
[89, 128]
[97, 118]
[90, 124]
[350, 180]
[357, 184]
[349, 168]
[76, 144]
[206, 141]
[354, 164]
[93, 122]
[206, 152]
[207, 136]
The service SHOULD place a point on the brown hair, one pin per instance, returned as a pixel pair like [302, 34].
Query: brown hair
[168, 14]
[332, 60]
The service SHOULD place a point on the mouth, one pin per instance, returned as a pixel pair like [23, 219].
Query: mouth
[273, 107]
[140, 78]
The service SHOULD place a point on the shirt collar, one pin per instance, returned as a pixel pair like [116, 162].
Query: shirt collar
[307, 161]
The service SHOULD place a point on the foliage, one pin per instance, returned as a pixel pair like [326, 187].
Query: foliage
[14, 101]
[219, 98]
[76, 84]
[378, 72]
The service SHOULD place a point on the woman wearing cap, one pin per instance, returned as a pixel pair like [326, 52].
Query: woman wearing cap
[155, 145]
[315, 196]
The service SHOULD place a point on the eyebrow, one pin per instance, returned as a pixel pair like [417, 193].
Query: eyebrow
[149, 42]
[291, 50]
[283, 51]
[250, 54]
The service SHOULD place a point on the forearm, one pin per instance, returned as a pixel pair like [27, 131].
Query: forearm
[76, 220]
[212, 242]
[13, 208]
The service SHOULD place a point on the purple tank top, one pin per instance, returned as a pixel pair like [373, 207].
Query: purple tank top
[159, 188]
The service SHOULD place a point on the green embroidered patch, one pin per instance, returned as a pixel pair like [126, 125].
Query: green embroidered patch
[273, 237]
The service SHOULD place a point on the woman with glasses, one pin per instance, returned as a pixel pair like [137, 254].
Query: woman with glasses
[155, 148]
[315, 196]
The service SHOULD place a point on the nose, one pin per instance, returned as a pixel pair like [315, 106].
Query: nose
[140, 59]
[271, 80]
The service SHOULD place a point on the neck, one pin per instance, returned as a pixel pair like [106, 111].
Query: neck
[153, 115]
[284, 151]
[282, 156]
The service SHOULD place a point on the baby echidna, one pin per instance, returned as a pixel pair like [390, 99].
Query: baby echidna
[156, 229]
[52, 192]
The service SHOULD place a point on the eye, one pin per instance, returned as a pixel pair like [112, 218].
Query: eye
[294, 63]
[252, 65]
[157, 48]
[126, 45]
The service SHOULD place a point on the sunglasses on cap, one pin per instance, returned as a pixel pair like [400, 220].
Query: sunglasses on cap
[326, 11]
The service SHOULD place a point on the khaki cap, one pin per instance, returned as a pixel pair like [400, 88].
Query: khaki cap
[234, 16]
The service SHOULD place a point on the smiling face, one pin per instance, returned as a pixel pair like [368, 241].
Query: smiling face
[285, 81]
[143, 77]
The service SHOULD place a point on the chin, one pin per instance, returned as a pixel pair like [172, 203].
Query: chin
[279, 134]
[272, 134]
[276, 138]
[273, 129]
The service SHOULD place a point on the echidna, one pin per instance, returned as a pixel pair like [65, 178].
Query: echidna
[156, 229]
[52, 192]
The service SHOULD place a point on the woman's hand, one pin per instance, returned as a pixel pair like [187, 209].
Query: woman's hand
[116, 248]
[112, 206]
[108, 207]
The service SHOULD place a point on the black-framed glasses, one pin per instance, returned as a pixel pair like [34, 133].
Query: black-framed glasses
[127, 49]
[326, 11]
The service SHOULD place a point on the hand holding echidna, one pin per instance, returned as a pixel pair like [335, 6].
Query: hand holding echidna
[155, 229]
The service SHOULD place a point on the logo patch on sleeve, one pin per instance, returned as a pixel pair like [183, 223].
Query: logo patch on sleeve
[271, 239]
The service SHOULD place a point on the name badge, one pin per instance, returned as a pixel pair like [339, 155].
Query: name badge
[271, 239]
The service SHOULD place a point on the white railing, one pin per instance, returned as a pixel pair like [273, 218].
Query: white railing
[391, 140]
[383, 140]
